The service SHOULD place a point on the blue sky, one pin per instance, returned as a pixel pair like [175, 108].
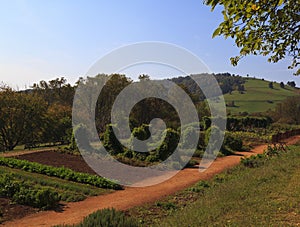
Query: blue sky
[42, 40]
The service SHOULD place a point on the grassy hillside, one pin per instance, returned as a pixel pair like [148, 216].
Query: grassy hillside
[258, 97]
[265, 196]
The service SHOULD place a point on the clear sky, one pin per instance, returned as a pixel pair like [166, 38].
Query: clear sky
[43, 40]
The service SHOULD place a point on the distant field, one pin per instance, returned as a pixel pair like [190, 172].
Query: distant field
[258, 97]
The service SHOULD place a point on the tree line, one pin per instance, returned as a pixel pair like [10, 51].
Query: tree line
[43, 114]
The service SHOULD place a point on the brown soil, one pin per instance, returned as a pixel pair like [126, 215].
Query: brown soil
[10, 211]
[53, 158]
[130, 197]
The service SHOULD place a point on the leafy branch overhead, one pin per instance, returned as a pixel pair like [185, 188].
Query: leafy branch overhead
[262, 27]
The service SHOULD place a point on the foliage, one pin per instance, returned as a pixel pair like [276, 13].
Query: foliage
[106, 218]
[271, 85]
[59, 172]
[281, 84]
[110, 141]
[67, 191]
[260, 159]
[24, 193]
[291, 83]
[233, 143]
[268, 28]
[288, 111]
[246, 123]
[21, 117]
[82, 139]
[169, 145]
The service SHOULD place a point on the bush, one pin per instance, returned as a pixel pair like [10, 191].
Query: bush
[169, 145]
[189, 136]
[110, 141]
[106, 218]
[140, 133]
[254, 161]
[233, 143]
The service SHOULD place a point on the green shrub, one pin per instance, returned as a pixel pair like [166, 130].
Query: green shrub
[106, 218]
[254, 161]
[110, 141]
[169, 145]
[233, 143]
[200, 187]
[189, 136]
[81, 135]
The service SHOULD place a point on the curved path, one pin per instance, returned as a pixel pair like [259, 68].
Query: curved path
[130, 197]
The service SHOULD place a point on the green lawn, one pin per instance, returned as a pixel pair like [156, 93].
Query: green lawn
[258, 97]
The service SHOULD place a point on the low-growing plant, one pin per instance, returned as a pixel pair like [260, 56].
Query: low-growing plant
[59, 172]
[106, 218]
[24, 193]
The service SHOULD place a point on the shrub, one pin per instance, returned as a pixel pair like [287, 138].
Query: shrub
[233, 143]
[106, 218]
[82, 138]
[110, 141]
[169, 145]
[254, 161]
[189, 136]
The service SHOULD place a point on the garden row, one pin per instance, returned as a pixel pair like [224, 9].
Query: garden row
[59, 172]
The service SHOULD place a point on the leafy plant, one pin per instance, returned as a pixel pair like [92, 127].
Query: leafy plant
[60, 172]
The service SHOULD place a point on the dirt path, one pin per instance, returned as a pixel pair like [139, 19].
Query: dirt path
[16, 153]
[130, 197]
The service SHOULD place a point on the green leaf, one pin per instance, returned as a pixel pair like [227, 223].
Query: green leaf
[216, 32]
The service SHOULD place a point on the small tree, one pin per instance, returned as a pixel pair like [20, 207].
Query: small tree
[110, 141]
[292, 84]
[281, 84]
[271, 85]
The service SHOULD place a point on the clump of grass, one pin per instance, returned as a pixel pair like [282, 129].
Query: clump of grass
[106, 218]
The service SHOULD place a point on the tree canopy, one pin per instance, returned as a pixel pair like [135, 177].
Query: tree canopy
[262, 27]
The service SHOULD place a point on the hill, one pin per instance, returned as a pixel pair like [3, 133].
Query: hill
[257, 97]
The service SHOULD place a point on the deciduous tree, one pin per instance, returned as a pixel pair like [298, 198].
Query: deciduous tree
[265, 27]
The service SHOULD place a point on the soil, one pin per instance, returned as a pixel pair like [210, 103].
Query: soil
[53, 158]
[11, 211]
[74, 212]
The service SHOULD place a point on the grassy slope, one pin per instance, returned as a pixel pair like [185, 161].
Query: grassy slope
[264, 196]
[257, 95]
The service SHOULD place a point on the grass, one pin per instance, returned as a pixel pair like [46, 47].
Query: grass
[68, 191]
[268, 195]
[258, 97]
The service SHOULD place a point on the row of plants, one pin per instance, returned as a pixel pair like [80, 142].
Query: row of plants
[68, 191]
[239, 123]
[59, 172]
[23, 192]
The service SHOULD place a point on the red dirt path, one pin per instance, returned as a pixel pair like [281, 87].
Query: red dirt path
[130, 197]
